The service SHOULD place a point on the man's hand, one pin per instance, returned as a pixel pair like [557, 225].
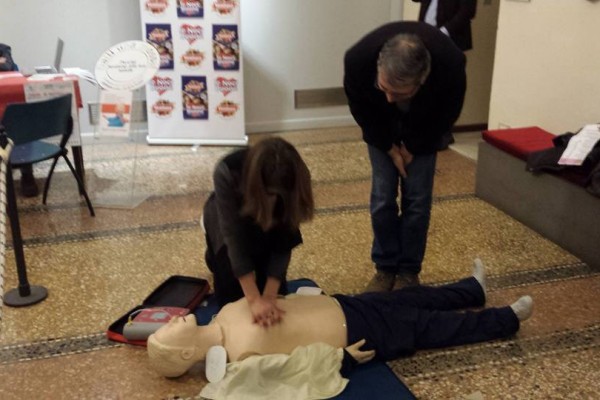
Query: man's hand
[360, 356]
[401, 157]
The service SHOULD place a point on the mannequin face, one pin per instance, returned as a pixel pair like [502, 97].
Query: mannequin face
[179, 331]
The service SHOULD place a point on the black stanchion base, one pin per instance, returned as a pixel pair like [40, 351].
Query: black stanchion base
[14, 299]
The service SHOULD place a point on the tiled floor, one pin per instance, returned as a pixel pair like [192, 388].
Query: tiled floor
[95, 269]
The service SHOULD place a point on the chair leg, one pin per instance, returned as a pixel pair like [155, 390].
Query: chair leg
[80, 185]
[47, 184]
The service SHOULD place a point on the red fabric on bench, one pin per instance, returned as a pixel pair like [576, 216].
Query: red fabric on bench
[519, 142]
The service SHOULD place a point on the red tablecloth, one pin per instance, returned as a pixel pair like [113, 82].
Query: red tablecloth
[11, 89]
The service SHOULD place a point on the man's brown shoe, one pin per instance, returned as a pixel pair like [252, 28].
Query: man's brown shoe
[381, 282]
[405, 280]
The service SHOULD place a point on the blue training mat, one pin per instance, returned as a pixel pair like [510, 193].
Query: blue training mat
[373, 381]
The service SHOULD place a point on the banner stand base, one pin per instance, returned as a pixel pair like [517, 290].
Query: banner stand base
[117, 200]
[197, 142]
[36, 294]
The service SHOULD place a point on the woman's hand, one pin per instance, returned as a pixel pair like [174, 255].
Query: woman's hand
[265, 311]
[263, 307]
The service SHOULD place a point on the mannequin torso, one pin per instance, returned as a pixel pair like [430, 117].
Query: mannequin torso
[308, 319]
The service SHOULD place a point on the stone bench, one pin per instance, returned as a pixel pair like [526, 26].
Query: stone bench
[556, 206]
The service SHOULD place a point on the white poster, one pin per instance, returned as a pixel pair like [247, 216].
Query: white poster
[196, 97]
[115, 112]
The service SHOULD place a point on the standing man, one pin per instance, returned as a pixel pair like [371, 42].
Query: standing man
[405, 84]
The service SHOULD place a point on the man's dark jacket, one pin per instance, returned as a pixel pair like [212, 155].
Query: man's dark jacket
[433, 110]
[456, 16]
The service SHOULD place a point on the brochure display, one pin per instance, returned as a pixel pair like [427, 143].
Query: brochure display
[120, 70]
[197, 94]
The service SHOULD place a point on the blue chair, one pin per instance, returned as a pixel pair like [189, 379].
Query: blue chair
[27, 124]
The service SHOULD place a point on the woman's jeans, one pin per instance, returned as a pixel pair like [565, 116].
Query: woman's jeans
[400, 233]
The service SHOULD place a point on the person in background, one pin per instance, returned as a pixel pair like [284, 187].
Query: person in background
[453, 18]
[405, 83]
[28, 185]
[6, 61]
[261, 196]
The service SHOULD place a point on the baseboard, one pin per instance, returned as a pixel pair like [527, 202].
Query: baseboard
[315, 123]
[299, 124]
[330, 122]
[469, 128]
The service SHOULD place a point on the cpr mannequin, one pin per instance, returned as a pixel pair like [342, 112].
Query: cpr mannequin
[381, 325]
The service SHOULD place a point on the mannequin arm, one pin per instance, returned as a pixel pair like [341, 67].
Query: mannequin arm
[353, 356]
[359, 355]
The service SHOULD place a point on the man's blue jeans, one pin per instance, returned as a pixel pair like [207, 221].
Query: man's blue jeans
[400, 233]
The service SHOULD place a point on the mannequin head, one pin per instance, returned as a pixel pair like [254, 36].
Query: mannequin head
[177, 346]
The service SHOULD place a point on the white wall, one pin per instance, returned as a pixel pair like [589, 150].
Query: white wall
[547, 65]
[287, 45]
[546, 68]
[88, 27]
[300, 44]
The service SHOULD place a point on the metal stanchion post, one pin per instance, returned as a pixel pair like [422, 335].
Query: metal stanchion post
[25, 294]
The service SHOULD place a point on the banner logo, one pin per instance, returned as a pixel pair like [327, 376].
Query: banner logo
[157, 6]
[227, 109]
[162, 84]
[191, 33]
[225, 85]
[224, 7]
[163, 108]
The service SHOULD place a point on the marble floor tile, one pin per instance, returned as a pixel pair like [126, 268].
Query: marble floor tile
[96, 269]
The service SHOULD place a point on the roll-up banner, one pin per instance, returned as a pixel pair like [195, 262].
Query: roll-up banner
[197, 95]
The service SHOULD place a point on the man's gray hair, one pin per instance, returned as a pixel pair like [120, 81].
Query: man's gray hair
[405, 60]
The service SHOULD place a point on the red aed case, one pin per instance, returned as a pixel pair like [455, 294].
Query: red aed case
[177, 295]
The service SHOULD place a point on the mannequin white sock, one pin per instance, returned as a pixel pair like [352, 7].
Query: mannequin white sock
[479, 273]
[523, 307]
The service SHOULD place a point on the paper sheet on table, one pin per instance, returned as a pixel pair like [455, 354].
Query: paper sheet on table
[580, 145]
[45, 77]
[82, 74]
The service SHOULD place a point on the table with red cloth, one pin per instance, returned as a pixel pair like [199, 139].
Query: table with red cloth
[12, 90]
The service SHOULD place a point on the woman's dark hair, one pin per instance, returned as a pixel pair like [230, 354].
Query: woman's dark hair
[276, 185]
